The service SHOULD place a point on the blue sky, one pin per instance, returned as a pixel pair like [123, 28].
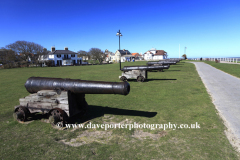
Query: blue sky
[208, 28]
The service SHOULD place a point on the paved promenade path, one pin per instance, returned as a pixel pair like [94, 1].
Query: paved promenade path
[225, 92]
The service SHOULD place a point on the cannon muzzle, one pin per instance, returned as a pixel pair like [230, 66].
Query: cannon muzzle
[35, 84]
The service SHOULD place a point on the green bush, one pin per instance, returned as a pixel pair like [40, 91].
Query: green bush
[50, 63]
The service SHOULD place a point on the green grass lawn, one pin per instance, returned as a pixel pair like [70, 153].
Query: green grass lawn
[233, 69]
[176, 95]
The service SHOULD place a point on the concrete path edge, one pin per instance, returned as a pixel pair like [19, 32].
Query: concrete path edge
[232, 137]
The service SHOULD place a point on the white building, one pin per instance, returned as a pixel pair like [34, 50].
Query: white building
[154, 54]
[148, 55]
[110, 56]
[153, 50]
[160, 54]
[125, 55]
[62, 57]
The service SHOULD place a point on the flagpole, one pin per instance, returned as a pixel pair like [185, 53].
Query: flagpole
[179, 50]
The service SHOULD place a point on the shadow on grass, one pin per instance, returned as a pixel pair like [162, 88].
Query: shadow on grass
[99, 111]
[175, 66]
[147, 80]
[156, 71]
[164, 70]
[95, 112]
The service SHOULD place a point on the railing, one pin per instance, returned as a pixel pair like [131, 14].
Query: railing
[220, 60]
[225, 60]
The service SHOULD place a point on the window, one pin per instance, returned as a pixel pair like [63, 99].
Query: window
[65, 56]
[72, 55]
[58, 55]
[51, 56]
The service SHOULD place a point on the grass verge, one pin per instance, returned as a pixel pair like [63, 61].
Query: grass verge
[233, 69]
[177, 96]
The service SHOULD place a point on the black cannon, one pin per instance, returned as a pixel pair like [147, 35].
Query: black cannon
[162, 63]
[169, 60]
[147, 68]
[62, 98]
[176, 59]
[35, 84]
[138, 72]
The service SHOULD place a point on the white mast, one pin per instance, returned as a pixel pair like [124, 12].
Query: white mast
[179, 50]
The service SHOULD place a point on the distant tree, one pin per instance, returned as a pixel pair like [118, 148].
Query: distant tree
[82, 53]
[25, 49]
[40, 54]
[7, 56]
[184, 56]
[97, 54]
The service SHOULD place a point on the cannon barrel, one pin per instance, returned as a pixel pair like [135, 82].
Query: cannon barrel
[147, 68]
[169, 60]
[161, 62]
[35, 84]
[176, 59]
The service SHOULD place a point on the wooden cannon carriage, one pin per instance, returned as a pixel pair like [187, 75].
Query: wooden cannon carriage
[62, 98]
